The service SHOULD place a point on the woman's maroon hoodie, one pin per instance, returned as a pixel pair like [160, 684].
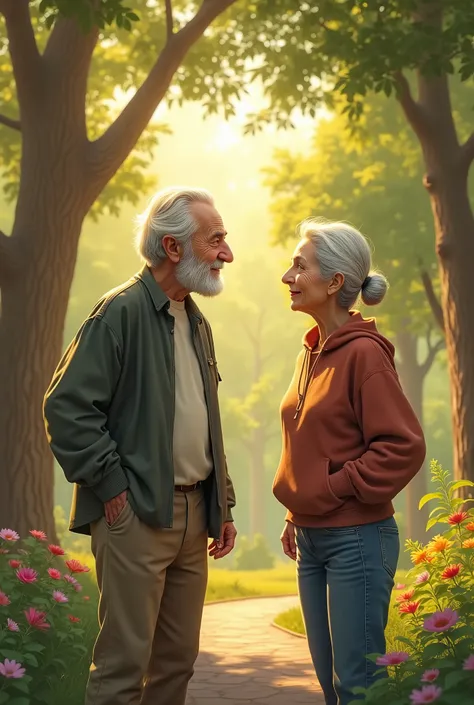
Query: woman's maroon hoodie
[351, 441]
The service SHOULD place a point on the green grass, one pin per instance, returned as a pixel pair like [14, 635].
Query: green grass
[225, 584]
[292, 619]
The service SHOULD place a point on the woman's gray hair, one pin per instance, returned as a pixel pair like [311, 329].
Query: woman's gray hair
[168, 213]
[342, 249]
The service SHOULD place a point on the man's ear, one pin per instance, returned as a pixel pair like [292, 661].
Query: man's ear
[172, 248]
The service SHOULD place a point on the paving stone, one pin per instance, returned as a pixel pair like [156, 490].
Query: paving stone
[243, 659]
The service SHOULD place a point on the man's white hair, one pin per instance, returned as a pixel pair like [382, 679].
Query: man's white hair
[168, 213]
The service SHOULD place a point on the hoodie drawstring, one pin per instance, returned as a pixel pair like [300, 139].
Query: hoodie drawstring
[304, 378]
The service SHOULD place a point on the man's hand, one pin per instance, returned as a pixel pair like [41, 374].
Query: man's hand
[222, 547]
[114, 507]
[288, 541]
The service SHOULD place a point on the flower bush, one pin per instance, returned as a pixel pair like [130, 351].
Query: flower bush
[437, 661]
[40, 595]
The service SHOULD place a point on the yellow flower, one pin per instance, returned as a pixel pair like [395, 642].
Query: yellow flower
[468, 543]
[439, 544]
[421, 555]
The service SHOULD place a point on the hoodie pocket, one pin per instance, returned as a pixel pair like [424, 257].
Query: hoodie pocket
[308, 491]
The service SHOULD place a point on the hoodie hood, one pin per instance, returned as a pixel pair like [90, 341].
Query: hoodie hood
[356, 327]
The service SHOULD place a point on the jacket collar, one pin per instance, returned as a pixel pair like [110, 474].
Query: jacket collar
[159, 298]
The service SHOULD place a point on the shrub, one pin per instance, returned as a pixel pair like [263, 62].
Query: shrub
[437, 660]
[255, 555]
[40, 626]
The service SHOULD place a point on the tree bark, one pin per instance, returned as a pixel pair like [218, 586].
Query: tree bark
[447, 166]
[412, 378]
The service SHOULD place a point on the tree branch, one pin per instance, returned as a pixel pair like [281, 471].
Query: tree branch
[26, 59]
[109, 152]
[431, 297]
[9, 122]
[413, 110]
[433, 350]
[169, 19]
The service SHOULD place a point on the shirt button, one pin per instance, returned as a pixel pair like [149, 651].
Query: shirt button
[172, 330]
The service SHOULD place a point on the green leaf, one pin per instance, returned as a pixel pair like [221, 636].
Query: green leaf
[456, 677]
[460, 483]
[3, 697]
[35, 647]
[19, 701]
[31, 660]
[428, 497]
[11, 654]
[20, 685]
[435, 520]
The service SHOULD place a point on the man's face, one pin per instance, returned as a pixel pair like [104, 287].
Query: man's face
[204, 256]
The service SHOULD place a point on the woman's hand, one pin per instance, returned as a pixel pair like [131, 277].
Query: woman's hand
[288, 540]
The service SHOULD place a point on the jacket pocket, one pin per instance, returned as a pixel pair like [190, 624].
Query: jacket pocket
[306, 491]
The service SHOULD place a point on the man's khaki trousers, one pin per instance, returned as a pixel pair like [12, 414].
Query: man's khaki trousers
[152, 586]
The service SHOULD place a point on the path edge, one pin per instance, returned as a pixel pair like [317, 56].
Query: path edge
[249, 597]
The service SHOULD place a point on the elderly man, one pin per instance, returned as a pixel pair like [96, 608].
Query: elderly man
[132, 417]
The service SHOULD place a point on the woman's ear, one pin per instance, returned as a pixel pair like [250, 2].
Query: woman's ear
[336, 283]
[172, 248]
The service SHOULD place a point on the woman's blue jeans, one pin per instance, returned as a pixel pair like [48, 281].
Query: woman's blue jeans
[345, 579]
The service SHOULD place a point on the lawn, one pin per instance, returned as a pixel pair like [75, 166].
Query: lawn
[292, 619]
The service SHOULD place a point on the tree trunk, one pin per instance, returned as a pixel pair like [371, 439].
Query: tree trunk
[454, 223]
[412, 379]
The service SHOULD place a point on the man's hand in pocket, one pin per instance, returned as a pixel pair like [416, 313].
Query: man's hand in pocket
[114, 507]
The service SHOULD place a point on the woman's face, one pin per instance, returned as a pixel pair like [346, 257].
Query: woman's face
[308, 290]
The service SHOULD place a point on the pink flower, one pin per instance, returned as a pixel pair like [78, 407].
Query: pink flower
[430, 675]
[11, 669]
[9, 535]
[36, 619]
[27, 575]
[12, 626]
[394, 658]
[3, 551]
[400, 586]
[428, 694]
[54, 573]
[422, 578]
[55, 550]
[73, 619]
[441, 621]
[59, 597]
[76, 567]
[468, 664]
[38, 535]
[4, 599]
[14, 564]
[73, 582]
[86, 598]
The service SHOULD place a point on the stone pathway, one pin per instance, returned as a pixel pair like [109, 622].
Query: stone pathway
[245, 660]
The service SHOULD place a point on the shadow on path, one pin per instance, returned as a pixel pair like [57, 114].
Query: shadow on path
[244, 659]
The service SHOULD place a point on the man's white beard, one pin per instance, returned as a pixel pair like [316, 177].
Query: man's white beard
[196, 276]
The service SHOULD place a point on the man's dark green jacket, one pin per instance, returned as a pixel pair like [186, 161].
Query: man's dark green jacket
[109, 409]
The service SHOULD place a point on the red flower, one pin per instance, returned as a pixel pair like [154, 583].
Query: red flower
[39, 535]
[54, 574]
[55, 550]
[409, 607]
[73, 619]
[76, 567]
[36, 619]
[451, 571]
[405, 596]
[14, 564]
[458, 518]
[4, 599]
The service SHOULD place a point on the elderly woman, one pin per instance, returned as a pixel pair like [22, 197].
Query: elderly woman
[351, 443]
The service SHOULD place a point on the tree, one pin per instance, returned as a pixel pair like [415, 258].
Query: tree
[372, 179]
[305, 53]
[71, 148]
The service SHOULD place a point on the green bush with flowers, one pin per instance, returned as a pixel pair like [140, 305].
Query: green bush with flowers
[435, 663]
[41, 635]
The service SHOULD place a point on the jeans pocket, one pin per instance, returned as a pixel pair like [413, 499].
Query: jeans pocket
[389, 548]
